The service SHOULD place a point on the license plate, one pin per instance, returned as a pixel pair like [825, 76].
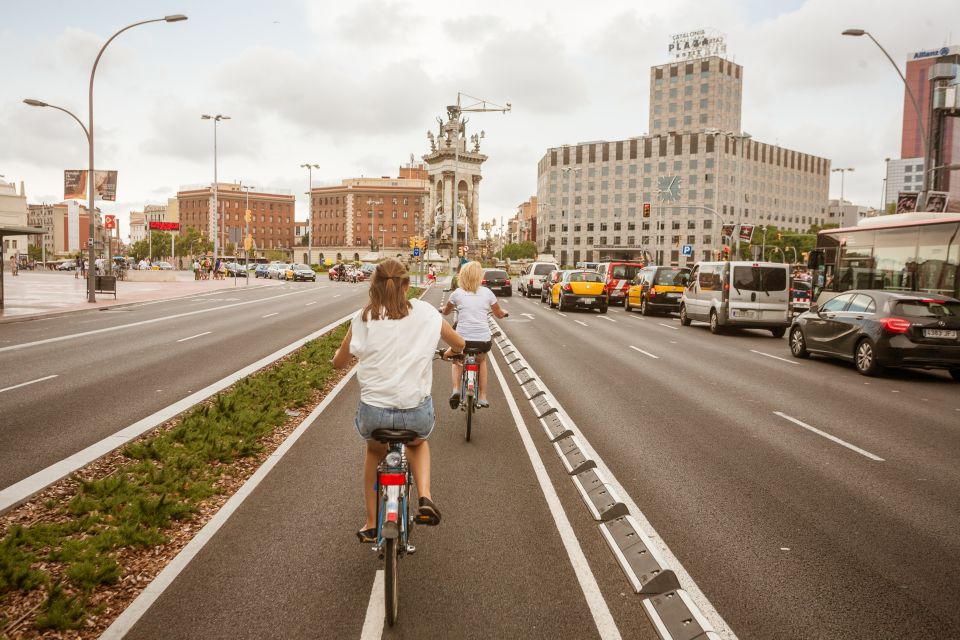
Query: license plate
[616, 294]
[589, 301]
[740, 313]
[949, 334]
[673, 295]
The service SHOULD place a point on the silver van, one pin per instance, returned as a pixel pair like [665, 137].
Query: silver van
[531, 280]
[751, 295]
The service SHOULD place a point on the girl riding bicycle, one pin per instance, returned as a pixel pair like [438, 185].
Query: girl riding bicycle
[395, 340]
[473, 303]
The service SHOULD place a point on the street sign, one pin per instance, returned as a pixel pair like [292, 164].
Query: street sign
[247, 217]
[247, 243]
[687, 250]
[466, 248]
[109, 222]
[416, 252]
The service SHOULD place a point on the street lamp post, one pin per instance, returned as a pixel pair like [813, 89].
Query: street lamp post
[88, 130]
[843, 173]
[741, 196]
[215, 215]
[913, 101]
[310, 167]
[569, 216]
[246, 234]
[371, 202]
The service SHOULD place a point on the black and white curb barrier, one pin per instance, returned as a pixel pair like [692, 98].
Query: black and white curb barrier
[676, 617]
[670, 609]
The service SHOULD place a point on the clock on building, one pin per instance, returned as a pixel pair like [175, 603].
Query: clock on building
[668, 188]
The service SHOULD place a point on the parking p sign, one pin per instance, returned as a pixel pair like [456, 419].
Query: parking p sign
[687, 250]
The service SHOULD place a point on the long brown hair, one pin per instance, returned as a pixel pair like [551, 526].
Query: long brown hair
[388, 292]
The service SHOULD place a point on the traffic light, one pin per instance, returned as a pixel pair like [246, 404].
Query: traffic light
[646, 209]
[779, 236]
[460, 250]
[413, 242]
[726, 253]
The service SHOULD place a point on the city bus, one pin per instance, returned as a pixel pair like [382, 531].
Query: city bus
[900, 252]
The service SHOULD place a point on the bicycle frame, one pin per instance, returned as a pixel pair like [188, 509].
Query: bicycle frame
[393, 487]
[469, 380]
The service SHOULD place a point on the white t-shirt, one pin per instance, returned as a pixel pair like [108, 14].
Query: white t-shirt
[396, 356]
[472, 310]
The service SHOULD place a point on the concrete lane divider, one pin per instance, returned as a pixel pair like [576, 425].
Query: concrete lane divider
[555, 427]
[676, 617]
[572, 455]
[601, 499]
[639, 558]
[542, 406]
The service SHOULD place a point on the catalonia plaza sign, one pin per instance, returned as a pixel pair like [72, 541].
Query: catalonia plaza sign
[697, 44]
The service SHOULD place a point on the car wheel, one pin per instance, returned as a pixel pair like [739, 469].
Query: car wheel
[560, 304]
[778, 332]
[509, 293]
[715, 327]
[684, 318]
[798, 345]
[955, 373]
[644, 307]
[603, 309]
[626, 304]
[550, 301]
[865, 358]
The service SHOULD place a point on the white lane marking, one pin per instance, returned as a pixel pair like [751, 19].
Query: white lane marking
[196, 336]
[310, 303]
[24, 384]
[269, 315]
[667, 326]
[646, 353]
[582, 323]
[143, 322]
[634, 316]
[688, 583]
[376, 610]
[22, 490]
[602, 618]
[338, 295]
[761, 353]
[529, 315]
[608, 319]
[126, 620]
[562, 315]
[826, 435]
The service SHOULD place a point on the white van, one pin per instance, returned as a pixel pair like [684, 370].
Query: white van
[738, 294]
[531, 280]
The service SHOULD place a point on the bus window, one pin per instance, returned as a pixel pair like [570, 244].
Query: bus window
[856, 269]
[895, 257]
[938, 270]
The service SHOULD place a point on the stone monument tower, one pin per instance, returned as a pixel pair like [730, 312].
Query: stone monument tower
[451, 162]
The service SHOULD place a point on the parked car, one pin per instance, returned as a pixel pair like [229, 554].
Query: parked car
[657, 290]
[260, 271]
[67, 265]
[531, 280]
[546, 288]
[277, 270]
[877, 329]
[162, 266]
[739, 294]
[497, 281]
[300, 272]
[579, 289]
[236, 270]
[617, 277]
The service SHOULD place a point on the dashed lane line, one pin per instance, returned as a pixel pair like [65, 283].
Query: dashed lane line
[196, 336]
[646, 353]
[24, 384]
[602, 618]
[608, 319]
[376, 610]
[581, 323]
[830, 437]
[761, 353]
[310, 303]
[270, 315]
[667, 326]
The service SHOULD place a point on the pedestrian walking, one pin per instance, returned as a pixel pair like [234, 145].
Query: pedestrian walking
[196, 269]
[14, 267]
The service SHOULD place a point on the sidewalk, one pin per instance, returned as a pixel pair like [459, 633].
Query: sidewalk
[42, 293]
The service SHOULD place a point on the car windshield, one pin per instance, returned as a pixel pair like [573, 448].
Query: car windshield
[672, 277]
[760, 278]
[489, 275]
[584, 276]
[301, 267]
[543, 269]
[625, 271]
[928, 308]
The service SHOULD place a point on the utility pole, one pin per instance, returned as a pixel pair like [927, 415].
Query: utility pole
[569, 216]
[310, 167]
[247, 216]
[215, 215]
[478, 105]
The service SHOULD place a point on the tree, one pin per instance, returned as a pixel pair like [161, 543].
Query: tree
[34, 252]
[273, 254]
[305, 239]
[519, 251]
[190, 242]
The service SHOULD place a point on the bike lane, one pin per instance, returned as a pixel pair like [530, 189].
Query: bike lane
[287, 564]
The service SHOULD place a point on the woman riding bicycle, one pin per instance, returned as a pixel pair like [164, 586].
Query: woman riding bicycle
[473, 303]
[395, 341]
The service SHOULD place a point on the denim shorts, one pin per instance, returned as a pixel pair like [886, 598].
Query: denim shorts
[420, 418]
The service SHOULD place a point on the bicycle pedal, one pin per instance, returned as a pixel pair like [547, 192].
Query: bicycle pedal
[411, 549]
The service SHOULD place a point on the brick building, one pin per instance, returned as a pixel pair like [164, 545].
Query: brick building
[272, 224]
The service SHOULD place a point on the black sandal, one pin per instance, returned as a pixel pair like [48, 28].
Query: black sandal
[367, 536]
[427, 514]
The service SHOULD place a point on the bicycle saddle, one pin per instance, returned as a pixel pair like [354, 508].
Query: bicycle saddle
[392, 436]
[473, 351]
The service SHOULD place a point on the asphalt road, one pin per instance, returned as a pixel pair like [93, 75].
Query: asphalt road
[140, 359]
[790, 534]
[287, 564]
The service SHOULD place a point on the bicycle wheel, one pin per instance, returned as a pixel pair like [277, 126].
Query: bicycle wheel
[391, 583]
[469, 402]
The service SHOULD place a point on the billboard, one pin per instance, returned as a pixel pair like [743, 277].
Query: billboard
[164, 226]
[109, 222]
[907, 201]
[697, 44]
[727, 230]
[75, 184]
[937, 201]
[746, 232]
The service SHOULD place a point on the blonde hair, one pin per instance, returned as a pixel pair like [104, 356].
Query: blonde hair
[388, 292]
[470, 276]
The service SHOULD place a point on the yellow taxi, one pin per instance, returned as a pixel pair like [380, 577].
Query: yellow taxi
[583, 289]
[657, 290]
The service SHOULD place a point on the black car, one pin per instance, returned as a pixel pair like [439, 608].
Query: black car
[877, 329]
[498, 281]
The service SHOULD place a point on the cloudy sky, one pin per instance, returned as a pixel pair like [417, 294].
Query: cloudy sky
[354, 86]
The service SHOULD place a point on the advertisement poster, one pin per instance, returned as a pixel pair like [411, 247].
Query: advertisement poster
[75, 185]
[73, 227]
[937, 201]
[727, 230]
[907, 202]
[746, 232]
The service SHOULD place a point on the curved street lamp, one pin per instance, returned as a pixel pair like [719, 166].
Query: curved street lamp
[88, 131]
